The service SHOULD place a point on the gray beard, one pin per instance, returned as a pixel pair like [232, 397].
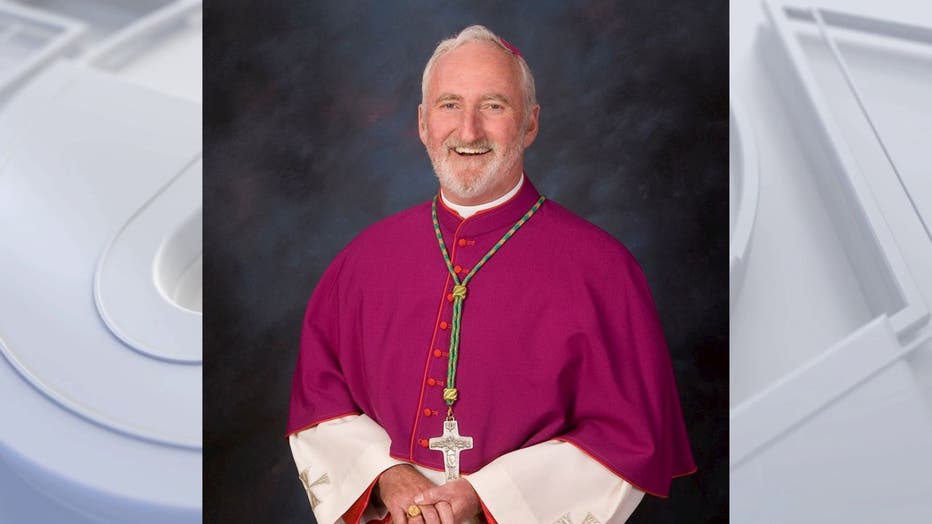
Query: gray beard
[466, 187]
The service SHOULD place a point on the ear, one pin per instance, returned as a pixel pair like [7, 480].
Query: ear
[531, 133]
[422, 124]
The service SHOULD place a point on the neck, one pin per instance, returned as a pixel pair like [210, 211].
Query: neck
[468, 211]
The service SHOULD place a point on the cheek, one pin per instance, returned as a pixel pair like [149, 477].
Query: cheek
[439, 128]
[436, 138]
[504, 132]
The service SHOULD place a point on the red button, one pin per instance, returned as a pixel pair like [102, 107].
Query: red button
[438, 353]
[462, 242]
[444, 325]
[431, 382]
[458, 269]
[423, 442]
[427, 412]
[450, 297]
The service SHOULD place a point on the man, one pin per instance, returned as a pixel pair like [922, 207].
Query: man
[489, 313]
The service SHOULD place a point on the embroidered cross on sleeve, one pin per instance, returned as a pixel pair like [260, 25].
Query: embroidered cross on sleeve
[565, 519]
[323, 479]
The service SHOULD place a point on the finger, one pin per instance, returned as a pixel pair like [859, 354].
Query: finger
[408, 519]
[445, 511]
[430, 515]
[430, 496]
[399, 516]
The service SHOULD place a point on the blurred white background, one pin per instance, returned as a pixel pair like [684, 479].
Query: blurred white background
[831, 360]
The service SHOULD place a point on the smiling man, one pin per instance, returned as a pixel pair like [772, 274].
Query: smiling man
[476, 120]
[508, 365]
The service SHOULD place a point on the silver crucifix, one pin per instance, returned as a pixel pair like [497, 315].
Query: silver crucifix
[451, 443]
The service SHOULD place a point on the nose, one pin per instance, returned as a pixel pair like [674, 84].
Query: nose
[471, 129]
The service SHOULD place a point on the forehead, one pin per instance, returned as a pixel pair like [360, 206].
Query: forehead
[477, 68]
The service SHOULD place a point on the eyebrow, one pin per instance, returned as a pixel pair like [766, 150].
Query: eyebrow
[497, 97]
[446, 97]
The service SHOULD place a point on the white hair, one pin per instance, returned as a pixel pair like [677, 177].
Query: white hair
[478, 33]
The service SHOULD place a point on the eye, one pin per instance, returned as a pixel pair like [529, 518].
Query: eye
[494, 107]
[448, 105]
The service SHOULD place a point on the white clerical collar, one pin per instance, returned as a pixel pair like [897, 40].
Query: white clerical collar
[468, 211]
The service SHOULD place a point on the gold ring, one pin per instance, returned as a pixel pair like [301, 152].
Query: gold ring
[414, 511]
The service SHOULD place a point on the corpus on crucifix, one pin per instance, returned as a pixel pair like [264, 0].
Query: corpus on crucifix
[451, 443]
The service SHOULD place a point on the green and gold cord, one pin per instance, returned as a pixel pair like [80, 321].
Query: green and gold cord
[459, 291]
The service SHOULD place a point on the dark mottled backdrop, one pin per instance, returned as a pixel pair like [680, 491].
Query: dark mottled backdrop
[310, 136]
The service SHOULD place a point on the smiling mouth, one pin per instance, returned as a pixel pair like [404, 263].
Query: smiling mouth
[471, 151]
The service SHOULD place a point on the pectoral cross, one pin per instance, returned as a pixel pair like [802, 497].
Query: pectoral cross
[451, 443]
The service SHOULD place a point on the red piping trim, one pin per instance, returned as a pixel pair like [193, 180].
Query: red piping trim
[616, 473]
[430, 349]
[688, 473]
[415, 462]
[321, 421]
[477, 213]
[448, 208]
[488, 514]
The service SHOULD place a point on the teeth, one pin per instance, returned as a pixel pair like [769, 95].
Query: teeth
[470, 151]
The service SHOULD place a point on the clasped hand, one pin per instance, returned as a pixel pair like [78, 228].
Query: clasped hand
[452, 503]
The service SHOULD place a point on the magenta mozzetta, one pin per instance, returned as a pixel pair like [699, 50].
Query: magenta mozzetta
[559, 339]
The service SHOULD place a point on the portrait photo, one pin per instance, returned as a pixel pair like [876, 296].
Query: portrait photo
[502, 281]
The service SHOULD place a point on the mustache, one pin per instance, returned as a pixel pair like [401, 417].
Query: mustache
[452, 143]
